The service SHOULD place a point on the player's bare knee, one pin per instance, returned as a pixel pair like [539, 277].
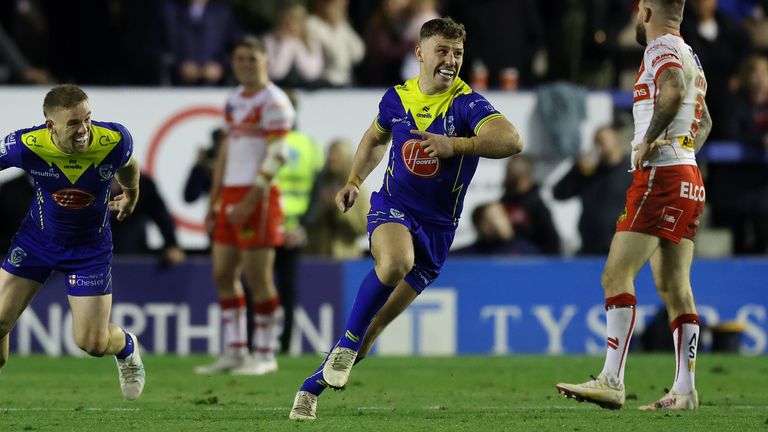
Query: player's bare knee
[223, 279]
[392, 269]
[613, 282]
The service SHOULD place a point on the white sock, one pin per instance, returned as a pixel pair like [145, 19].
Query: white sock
[621, 324]
[266, 335]
[686, 337]
[233, 324]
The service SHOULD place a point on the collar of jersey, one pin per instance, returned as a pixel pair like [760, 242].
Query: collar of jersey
[431, 107]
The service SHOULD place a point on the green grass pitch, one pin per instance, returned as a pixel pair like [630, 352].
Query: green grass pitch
[385, 394]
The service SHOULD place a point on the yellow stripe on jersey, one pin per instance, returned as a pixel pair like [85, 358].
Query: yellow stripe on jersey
[482, 122]
[426, 108]
[72, 165]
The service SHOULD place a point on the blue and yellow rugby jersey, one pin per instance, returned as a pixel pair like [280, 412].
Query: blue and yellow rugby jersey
[71, 190]
[431, 189]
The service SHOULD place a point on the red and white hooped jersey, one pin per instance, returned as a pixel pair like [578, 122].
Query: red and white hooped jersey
[661, 53]
[251, 118]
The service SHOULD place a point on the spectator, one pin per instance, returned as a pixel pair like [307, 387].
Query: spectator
[200, 177]
[145, 60]
[295, 59]
[130, 235]
[200, 35]
[420, 12]
[520, 23]
[386, 44]
[333, 233]
[341, 45]
[495, 234]
[296, 180]
[600, 179]
[530, 217]
[739, 192]
[721, 45]
[14, 67]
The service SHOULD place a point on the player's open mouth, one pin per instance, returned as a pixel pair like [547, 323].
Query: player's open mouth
[447, 73]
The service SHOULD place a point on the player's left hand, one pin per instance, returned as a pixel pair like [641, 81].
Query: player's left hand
[435, 145]
[123, 205]
[644, 150]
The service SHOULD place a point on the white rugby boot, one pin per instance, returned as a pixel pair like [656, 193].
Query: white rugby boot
[675, 401]
[131, 372]
[226, 362]
[338, 366]
[605, 392]
[304, 406]
[256, 364]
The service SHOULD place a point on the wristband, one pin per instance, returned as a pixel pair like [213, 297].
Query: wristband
[355, 180]
[464, 146]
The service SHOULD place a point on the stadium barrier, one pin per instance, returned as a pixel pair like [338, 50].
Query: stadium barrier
[477, 306]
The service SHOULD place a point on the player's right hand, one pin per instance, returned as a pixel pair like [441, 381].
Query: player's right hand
[346, 197]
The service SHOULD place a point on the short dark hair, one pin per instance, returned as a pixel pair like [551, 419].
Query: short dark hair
[63, 96]
[673, 8]
[252, 42]
[445, 27]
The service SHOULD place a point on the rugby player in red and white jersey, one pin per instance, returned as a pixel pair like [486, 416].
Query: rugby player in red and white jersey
[663, 207]
[245, 215]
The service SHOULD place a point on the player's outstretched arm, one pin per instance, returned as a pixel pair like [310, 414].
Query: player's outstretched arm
[705, 126]
[128, 178]
[669, 99]
[497, 139]
[369, 153]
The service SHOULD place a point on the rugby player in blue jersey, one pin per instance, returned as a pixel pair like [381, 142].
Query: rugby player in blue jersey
[439, 128]
[72, 160]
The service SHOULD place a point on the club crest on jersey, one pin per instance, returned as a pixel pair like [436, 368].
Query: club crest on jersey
[417, 161]
[105, 172]
[448, 126]
[396, 214]
[73, 198]
[16, 256]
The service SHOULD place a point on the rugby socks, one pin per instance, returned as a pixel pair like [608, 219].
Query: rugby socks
[620, 317]
[233, 324]
[685, 332]
[128, 350]
[268, 319]
[370, 298]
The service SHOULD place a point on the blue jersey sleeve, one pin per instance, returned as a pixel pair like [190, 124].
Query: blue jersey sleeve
[478, 111]
[384, 118]
[126, 144]
[10, 152]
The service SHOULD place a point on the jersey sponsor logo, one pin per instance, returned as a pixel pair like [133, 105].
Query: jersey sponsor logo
[686, 142]
[50, 173]
[425, 114]
[642, 92]
[669, 218]
[16, 256]
[31, 140]
[417, 161]
[92, 280]
[73, 198]
[692, 191]
[664, 56]
[105, 140]
[3, 150]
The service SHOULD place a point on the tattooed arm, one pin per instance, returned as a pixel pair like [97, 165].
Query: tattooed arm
[704, 127]
[671, 92]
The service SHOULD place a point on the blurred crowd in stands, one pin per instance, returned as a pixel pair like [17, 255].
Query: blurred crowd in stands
[527, 44]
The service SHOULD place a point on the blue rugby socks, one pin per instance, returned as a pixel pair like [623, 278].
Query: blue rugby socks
[370, 298]
[128, 350]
